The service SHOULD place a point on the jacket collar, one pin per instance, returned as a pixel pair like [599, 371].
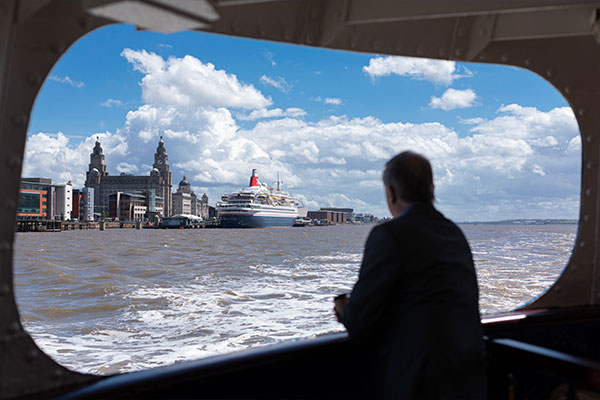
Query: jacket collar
[417, 208]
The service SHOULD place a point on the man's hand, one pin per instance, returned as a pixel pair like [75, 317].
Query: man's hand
[337, 314]
[339, 306]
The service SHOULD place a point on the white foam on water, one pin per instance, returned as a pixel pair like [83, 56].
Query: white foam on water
[203, 318]
[179, 301]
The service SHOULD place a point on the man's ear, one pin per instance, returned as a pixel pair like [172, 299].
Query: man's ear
[389, 192]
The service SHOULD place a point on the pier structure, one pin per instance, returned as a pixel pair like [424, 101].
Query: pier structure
[41, 225]
[38, 225]
[35, 225]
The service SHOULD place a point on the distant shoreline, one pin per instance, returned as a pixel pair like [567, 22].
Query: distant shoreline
[59, 226]
[525, 222]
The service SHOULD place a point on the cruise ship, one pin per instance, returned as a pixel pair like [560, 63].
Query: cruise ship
[258, 206]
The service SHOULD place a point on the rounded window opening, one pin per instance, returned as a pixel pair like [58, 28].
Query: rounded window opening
[201, 112]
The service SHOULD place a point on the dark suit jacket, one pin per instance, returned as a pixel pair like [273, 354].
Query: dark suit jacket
[414, 310]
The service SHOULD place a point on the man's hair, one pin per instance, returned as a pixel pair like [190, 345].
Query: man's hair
[410, 177]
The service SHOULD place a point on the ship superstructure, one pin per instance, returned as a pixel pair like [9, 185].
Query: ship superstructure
[258, 206]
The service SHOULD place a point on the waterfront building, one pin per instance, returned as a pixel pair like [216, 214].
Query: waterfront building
[127, 206]
[182, 199]
[157, 209]
[337, 209]
[77, 198]
[158, 181]
[363, 218]
[328, 216]
[87, 204]
[339, 215]
[35, 199]
[154, 204]
[40, 199]
[200, 207]
[64, 201]
[83, 204]
[186, 202]
[212, 212]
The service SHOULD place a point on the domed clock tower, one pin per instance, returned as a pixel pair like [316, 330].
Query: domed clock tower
[161, 163]
[96, 171]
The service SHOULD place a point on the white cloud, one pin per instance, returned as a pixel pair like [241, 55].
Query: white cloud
[574, 146]
[112, 103]
[522, 162]
[436, 71]
[334, 160]
[279, 83]
[271, 57]
[495, 172]
[453, 98]
[471, 121]
[188, 82]
[127, 168]
[67, 80]
[57, 157]
[333, 100]
[272, 113]
[327, 100]
[537, 169]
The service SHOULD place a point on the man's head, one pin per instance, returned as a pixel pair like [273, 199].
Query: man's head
[408, 179]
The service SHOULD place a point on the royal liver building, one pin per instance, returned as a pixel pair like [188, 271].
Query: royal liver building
[156, 186]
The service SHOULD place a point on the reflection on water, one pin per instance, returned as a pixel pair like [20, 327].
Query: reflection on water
[122, 300]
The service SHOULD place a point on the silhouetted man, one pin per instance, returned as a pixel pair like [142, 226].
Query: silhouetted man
[414, 310]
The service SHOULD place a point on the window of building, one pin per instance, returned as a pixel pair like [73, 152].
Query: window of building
[29, 203]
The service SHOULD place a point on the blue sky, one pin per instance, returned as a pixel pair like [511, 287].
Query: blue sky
[502, 141]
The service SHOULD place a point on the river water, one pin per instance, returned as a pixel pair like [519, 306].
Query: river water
[123, 300]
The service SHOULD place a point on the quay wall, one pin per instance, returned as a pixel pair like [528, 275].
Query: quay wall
[58, 226]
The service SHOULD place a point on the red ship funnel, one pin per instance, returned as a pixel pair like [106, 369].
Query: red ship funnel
[254, 178]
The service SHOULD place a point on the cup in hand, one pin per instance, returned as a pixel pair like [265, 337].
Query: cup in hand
[340, 302]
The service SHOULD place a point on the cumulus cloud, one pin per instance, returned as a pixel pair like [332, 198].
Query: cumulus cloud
[67, 80]
[272, 113]
[127, 168]
[278, 83]
[60, 158]
[453, 98]
[521, 162]
[574, 146]
[188, 82]
[436, 71]
[502, 168]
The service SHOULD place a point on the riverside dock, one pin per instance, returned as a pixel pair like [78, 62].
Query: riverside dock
[38, 226]
[59, 226]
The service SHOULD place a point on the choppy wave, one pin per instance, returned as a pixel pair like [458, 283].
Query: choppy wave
[124, 300]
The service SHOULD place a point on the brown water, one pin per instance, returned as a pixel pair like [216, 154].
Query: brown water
[123, 300]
